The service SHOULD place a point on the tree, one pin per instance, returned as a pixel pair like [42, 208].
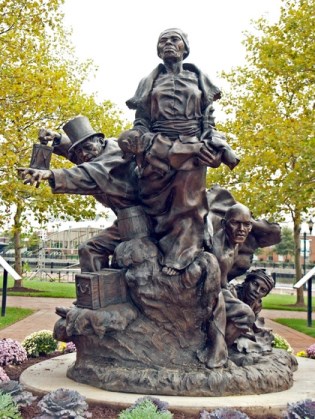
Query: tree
[286, 246]
[40, 85]
[270, 107]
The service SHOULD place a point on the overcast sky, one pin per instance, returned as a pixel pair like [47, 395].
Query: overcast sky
[121, 36]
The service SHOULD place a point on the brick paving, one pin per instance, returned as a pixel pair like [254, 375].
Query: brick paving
[298, 341]
[45, 318]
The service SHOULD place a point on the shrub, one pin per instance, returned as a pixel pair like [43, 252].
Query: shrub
[11, 352]
[14, 389]
[304, 409]
[302, 354]
[147, 408]
[310, 351]
[39, 343]
[8, 409]
[64, 404]
[3, 376]
[281, 343]
[223, 413]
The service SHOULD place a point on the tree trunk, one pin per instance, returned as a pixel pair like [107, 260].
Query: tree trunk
[297, 260]
[17, 243]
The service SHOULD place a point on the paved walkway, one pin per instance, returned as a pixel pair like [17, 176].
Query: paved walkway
[45, 318]
[298, 341]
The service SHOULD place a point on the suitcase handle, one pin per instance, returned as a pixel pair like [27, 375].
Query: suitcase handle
[84, 288]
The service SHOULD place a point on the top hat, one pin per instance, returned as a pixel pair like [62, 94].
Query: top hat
[79, 129]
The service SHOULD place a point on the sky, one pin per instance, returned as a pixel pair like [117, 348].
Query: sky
[120, 36]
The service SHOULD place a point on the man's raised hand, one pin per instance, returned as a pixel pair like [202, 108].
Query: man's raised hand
[34, 176]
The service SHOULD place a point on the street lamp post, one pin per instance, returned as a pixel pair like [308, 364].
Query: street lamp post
[309, 284]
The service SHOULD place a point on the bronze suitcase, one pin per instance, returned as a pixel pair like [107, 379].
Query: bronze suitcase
[99, 289]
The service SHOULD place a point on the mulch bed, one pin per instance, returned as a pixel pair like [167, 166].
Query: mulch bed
[98, 412]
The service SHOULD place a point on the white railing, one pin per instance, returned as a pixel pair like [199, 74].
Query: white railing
[305, 278]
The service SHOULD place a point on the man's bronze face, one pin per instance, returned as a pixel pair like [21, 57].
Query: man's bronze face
[238, 227]
[89, 149]
[171, 46]
[255, 289]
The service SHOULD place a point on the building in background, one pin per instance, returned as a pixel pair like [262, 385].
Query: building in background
[64, 244]
[269, 254]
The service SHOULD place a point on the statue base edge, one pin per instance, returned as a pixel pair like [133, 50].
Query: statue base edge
[274, 373]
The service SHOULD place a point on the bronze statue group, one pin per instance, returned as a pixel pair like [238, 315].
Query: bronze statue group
[185, 251]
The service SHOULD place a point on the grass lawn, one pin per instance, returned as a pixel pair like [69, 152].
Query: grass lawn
[13, 315]
[45, 289]
[284, 302]
[298, 324]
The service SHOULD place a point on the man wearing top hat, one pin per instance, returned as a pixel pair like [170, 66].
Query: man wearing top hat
[101, 171]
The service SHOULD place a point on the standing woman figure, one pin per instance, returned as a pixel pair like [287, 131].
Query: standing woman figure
[174, 140]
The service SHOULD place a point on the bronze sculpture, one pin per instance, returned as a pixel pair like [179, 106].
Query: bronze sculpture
[175, 319]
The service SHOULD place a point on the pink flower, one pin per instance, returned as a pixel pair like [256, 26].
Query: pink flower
[311, 351]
